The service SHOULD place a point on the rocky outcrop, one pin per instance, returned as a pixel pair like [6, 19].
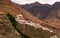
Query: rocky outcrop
[6, 28]
[35, 31]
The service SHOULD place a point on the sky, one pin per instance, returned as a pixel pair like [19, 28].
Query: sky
[32, 1]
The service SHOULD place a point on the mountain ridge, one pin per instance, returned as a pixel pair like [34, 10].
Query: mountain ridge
[48, 14]
[39, 9]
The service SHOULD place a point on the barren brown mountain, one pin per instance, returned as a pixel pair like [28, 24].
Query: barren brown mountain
[15, 10]
[32, 31]
[49, 13]
[54, 17]
[39, 10]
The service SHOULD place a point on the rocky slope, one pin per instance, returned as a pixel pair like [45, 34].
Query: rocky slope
[54, 17]
[24, 30]
[49, 13]
[6, 28]
[38, 9]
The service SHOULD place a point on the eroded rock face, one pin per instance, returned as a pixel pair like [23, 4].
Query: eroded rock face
[54, 18]
[58, 14]
[6, 28]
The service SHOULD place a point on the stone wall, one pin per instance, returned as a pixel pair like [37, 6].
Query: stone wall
[34, 32]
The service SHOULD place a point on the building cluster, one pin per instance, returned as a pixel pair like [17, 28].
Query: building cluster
[20, 19]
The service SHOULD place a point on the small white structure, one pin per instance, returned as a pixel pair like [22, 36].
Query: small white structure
[53, 37]
[19, 18]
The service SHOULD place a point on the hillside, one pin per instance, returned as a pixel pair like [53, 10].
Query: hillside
[41, 11]
[6, 28]
[54, 17]
[33, 28]
[46, 12]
